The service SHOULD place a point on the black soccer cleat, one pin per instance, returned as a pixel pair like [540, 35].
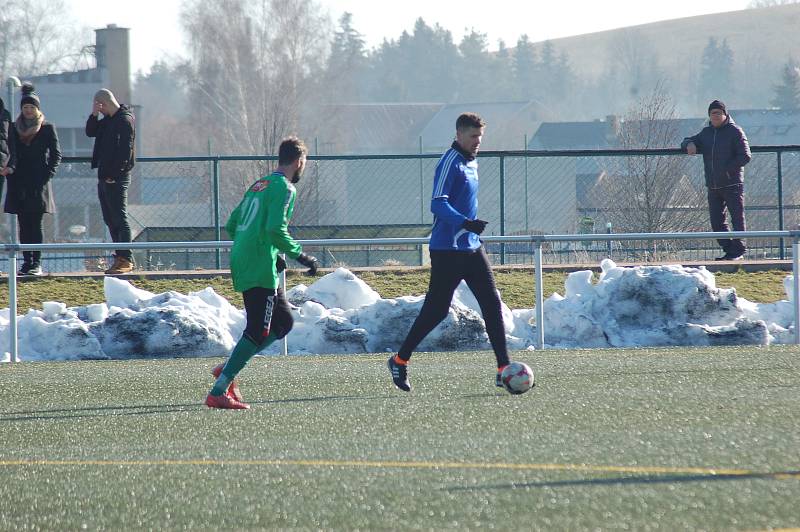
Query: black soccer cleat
[498, 381]
[399, 374]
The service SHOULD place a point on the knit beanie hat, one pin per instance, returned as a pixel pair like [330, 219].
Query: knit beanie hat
[106, 96]
[716, 104]
[29, 96]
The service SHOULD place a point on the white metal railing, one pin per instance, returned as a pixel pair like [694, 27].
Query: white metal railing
[536, 240]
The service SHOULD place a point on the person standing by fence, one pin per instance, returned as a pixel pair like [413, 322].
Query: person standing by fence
[725, 153]
[114, 157]
[30, 193]
[8, 159]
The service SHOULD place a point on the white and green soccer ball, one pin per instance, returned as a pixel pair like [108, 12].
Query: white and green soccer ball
[517, 378]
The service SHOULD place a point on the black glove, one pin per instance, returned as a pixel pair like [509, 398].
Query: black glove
[280, 264]
[309, 262]
[474, 226]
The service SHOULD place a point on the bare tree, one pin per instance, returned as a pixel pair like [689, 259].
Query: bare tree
[39, 37]
[634, 63]
[254, 75]
[650, 193]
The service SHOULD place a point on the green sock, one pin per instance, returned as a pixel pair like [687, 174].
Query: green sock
[245, 350]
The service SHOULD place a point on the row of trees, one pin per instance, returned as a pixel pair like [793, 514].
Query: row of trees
[259, 69]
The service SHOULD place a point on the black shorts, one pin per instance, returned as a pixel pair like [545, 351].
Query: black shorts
[267, 311]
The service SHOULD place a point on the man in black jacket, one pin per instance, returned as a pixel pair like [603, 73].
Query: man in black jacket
[114, 157]
[725, 153]
[7, 155]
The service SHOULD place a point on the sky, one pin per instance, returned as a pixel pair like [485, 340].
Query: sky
[340, 313]
[156, 33]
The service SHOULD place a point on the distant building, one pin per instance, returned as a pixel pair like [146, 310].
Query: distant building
[564, 188]
[161, 195]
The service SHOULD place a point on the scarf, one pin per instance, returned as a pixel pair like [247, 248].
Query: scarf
[27, 129]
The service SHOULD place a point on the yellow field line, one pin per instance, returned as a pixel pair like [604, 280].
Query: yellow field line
[412, 465]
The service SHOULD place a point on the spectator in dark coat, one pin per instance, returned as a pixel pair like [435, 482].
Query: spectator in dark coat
[8, 159]
[30, 194]
[114, 157]
[725, 153]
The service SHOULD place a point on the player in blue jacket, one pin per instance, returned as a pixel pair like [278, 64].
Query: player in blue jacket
[456, 251]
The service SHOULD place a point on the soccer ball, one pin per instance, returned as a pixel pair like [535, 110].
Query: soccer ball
[517, 378]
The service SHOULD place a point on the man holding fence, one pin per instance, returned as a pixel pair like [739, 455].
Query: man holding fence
[725, 153]
[259, 228]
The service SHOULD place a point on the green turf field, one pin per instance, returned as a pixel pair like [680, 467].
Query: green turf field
[608, 439]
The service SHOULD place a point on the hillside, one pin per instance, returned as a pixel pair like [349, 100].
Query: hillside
[762, 40]
[753, 34]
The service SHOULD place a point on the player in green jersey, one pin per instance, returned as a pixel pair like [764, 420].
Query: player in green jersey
[259, 228]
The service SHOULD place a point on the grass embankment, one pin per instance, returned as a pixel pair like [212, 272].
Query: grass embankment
[516, 286]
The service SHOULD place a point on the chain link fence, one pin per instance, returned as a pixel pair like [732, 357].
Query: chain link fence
[525, 192]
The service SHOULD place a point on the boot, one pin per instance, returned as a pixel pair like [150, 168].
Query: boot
[121, 265]
[113, 267]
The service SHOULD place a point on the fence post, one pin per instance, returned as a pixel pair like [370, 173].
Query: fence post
[608, 243]
[12, 306]
[421, 186]
[796, 288]
[217, 228]
[502, 207]
[285, 340]
[780, 203]
[537, 264]
[527, 223]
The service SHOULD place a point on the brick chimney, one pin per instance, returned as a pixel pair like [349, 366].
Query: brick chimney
[112, 51]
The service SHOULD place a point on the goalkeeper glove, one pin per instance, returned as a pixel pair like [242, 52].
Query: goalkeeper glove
[309, 262]
[474, 226]
[280, 264]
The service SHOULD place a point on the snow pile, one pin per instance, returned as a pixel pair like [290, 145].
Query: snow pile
[339, 313]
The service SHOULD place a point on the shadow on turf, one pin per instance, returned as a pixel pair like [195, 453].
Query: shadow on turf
[645, 479]
[139, 410]
[316, 399]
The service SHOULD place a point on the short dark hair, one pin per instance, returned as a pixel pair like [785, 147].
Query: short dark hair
[291, 149]
[467, 120]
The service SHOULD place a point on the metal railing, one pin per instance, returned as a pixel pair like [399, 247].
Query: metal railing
[536, 240]
[522, 192]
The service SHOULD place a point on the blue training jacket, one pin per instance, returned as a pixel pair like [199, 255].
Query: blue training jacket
[455, 199]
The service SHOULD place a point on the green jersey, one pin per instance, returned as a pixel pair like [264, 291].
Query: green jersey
[259, 228]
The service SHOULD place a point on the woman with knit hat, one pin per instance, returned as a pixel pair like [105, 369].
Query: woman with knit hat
[30, 194]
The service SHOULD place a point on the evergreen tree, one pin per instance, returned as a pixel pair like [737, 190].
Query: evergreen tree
[787, 94]
[475, 58]
[500, 74]
[716, 71]
[525, 64]
[431, 61]
[347, 62]
[387, 79]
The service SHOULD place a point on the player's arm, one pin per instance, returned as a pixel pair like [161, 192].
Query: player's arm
[440, 202]
[233, 222]
[279, 199]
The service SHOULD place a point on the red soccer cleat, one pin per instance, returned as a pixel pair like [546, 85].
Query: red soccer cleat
[225, 401]
[233, 388]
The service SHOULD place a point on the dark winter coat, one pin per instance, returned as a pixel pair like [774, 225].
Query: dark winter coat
[7, 154]
[29, 187]
[114, 154]
[725, 153]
